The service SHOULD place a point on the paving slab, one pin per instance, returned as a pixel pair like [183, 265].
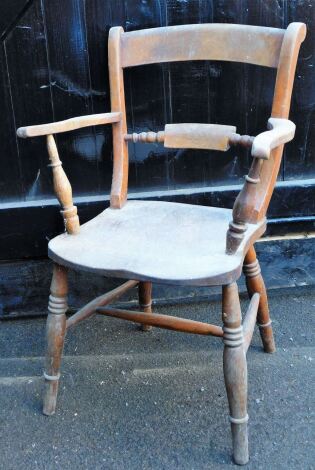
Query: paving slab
[135, 400]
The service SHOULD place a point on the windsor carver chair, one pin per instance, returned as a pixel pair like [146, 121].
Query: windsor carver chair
[176, 243]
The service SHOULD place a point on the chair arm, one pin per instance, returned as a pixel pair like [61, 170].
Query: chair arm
[69, 124]
[281, 131]
[192, 136]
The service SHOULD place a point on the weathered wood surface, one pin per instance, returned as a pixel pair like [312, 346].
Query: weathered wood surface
[229, 42]
[89, 309]
[255, 283]
[235, 371]
[252, 203]
[199, 136]
[285, 263]
[257, 191]
[62, 188]
[55, 336]
[119, 187]
[280, 132]
[167, 322]
[173, 243]
[293, 38]
[68, 125]
[249, 320]
[145, 300]
[156, 241]
[50, 72]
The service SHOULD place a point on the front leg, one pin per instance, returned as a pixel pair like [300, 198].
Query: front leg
[235, 371]
[55, 335]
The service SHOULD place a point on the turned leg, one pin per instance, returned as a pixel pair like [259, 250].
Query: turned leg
[145, 300]
[55, 335]
[255, 283]
[235, 371]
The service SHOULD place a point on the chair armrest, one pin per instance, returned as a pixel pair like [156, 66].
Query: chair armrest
[281, 131]
[192, 136]
[69, 124]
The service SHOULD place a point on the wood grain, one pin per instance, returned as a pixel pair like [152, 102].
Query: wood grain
[55, 336]
[199, 136]
[235, 371]
[167, 322]
[255, 283]
[249, 321]
[252, 202]
[281, 131]
[145, 300]
[228, 42]
[62, 189]
[156, 241]
[119, 187]
[89, 309]
[293, 38]
[68, 125]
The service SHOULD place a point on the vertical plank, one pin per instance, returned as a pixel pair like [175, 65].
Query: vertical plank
[261, 80]
[191, 100]
[299, 159]
[71, 89]
[147, 102]
[231, 105]
[101, 15]
[76, 75]
[98, 18]
[244, 91]
[11, 184]
[10, 11]
[25, 47]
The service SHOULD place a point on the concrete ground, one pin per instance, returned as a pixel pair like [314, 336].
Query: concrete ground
[135, 400]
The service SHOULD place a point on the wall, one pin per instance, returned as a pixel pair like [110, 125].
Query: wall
[53, 65]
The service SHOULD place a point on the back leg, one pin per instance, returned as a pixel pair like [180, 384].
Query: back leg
[145, 300]
[255, 283]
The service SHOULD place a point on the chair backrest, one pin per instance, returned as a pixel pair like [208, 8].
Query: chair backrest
[230, 42]
[269, 47]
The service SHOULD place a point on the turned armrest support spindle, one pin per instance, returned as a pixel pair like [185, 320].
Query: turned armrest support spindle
[189, 135]
[242, 207]
[159, 137]
[145, 137]
[242, 140]
[62, 189]
[280, 132]
[61, 183]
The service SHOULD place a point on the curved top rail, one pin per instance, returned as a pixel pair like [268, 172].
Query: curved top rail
[214, 41]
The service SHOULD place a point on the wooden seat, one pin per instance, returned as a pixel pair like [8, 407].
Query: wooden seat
[176, 243]
[156, 241]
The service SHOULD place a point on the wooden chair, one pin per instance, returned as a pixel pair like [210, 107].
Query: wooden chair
[150, 241]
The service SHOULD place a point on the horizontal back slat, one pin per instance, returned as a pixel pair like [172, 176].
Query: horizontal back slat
[228, 42]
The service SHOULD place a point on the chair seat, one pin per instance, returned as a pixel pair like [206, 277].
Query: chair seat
[156, 241]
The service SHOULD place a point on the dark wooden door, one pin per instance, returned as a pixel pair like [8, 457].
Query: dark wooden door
[54, 66]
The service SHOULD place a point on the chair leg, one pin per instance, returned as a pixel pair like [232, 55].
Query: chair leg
[235, 371]
[255, 283]
[55, 335]
[145, 300]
